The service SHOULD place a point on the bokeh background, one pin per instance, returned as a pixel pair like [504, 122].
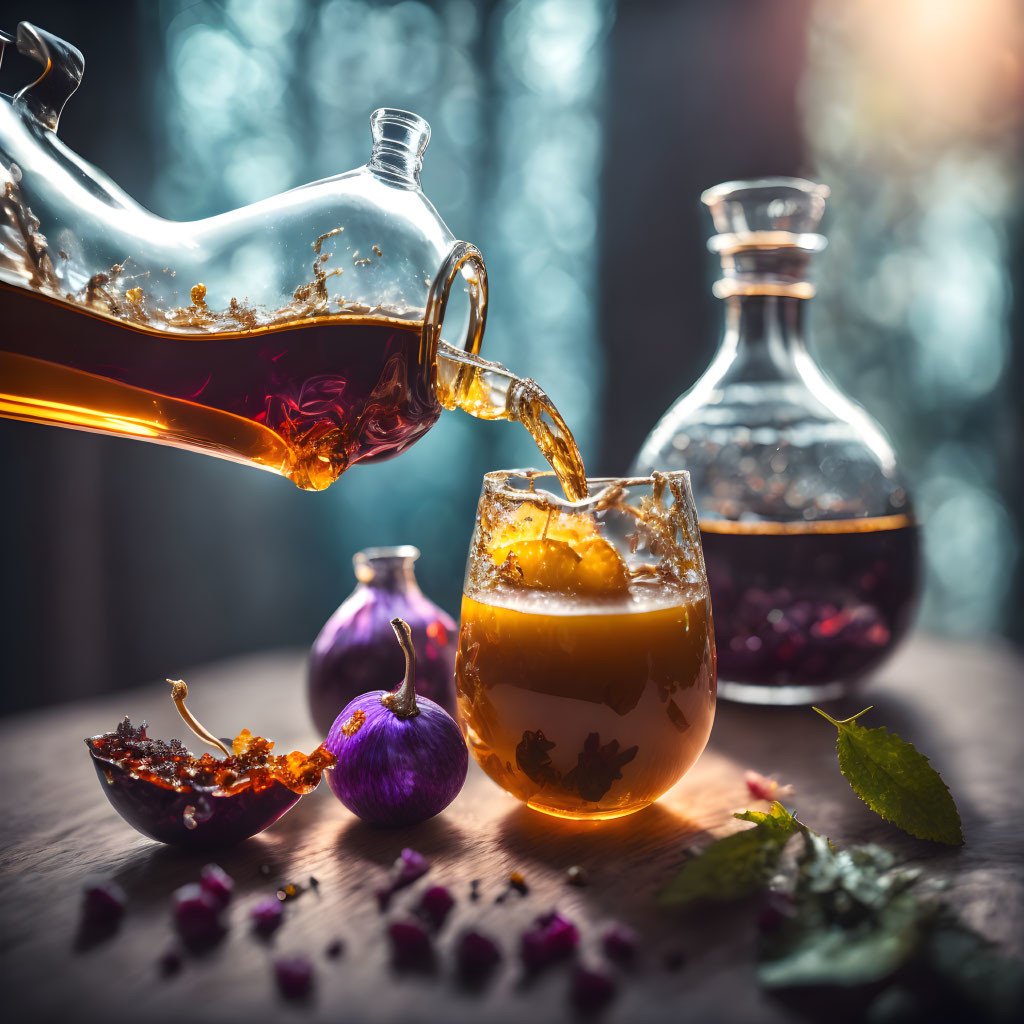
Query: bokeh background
[571, 141]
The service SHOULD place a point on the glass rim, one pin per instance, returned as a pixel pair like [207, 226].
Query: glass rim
[496, 481]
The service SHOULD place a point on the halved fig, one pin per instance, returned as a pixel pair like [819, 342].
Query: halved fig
[168, 794]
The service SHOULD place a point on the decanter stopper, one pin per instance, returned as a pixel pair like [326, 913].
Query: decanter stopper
[767, 232]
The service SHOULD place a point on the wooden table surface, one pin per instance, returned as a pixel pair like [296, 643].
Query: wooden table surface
[962, 705]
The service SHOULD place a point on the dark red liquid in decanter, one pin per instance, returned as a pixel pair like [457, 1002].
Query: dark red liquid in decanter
[306, 398]
[809, 603]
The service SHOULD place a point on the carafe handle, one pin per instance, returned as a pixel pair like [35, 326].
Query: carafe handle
[63, 67]
[460, 255]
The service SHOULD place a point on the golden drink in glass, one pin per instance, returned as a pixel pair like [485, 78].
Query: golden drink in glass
[586, 662]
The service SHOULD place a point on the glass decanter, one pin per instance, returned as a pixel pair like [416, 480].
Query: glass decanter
[300, 334]
[808, 531]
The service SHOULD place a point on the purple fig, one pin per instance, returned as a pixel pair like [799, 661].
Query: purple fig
[401, 758]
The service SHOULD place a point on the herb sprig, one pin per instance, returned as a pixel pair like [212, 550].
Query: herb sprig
[738, 865]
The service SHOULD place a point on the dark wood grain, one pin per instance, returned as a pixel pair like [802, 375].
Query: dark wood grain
[962, 705]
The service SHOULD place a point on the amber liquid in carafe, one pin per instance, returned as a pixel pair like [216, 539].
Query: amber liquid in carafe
[273, 397]
[303, 397]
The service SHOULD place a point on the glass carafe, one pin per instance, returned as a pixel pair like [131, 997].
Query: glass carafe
[300, 334]
[808, 531]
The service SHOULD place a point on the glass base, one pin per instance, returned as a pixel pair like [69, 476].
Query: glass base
[783, 694]
[582, 814]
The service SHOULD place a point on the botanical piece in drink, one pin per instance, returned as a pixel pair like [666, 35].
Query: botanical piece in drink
[586, 662]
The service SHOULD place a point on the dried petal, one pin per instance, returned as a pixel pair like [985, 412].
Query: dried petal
[551, 937]
[409, 866]
[410, 945]
[197, 915]
[267, 916]
[294, 976]
[435, 905]
[763, 788]
[592, 989]
[217, 883]
[102, 904]
[476, 956]
[170, 963]
[619, 943]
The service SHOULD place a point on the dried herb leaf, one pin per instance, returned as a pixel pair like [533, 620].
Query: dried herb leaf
[737, 865]
[874, 931]
[597, 767]
[856, 919]
[896, 781]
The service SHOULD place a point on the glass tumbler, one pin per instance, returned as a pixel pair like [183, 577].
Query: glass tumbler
[585, 670]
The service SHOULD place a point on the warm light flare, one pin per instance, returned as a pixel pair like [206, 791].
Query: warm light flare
[949, 63]
[70, 415]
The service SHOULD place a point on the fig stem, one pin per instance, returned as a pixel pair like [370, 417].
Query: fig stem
[402, 703]
[179, 691]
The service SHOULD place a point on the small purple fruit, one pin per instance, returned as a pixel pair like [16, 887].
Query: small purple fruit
[294, 976]
[217, 883]
[551, 937]
[197, 915]
[476, 956]
[400, 759]
[267, 916]
[592, 989]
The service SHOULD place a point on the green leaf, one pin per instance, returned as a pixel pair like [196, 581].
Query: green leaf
[896, 781]
[737, 865]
